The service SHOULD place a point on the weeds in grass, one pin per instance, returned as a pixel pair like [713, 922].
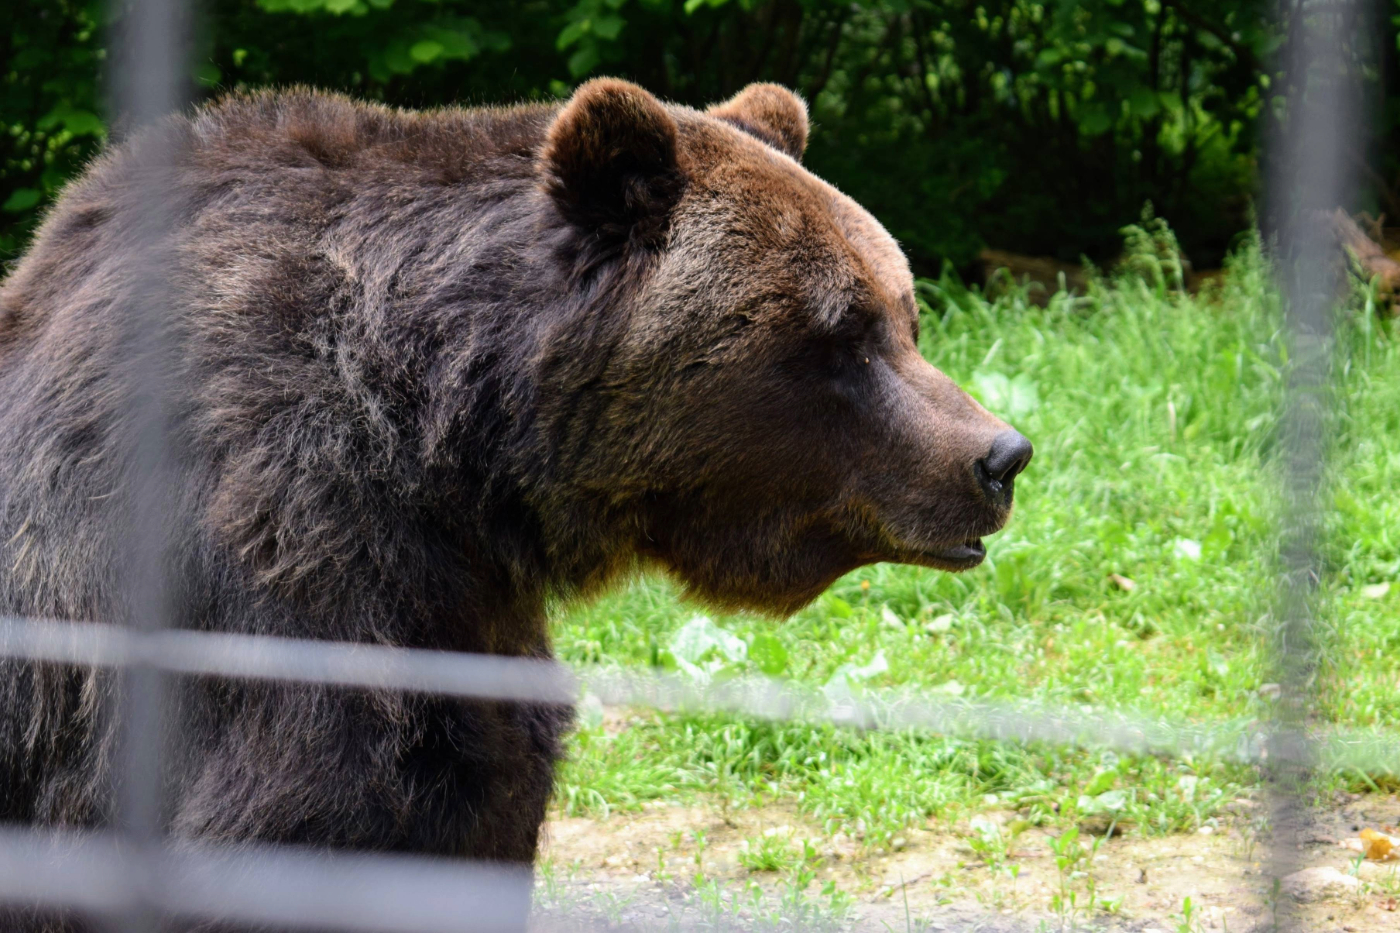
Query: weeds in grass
[771, 851]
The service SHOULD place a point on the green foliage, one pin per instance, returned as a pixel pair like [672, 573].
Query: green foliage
[49, 123]
[1038, 127]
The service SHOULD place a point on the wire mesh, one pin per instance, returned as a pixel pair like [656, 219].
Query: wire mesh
[136, 877]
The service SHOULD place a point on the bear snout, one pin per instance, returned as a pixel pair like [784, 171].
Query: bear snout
[996, 473]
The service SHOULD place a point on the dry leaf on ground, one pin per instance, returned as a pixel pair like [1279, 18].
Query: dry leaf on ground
[1376, 846]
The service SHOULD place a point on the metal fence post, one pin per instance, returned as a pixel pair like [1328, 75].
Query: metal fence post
[148, 80]
[1311, 175]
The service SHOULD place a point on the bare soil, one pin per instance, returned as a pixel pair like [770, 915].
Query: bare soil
[638, 870]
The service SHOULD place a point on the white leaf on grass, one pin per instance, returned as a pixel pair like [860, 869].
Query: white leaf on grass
[1188, 549]
[838, 686]
[700, 648]
[1108, 802]
[939, 624]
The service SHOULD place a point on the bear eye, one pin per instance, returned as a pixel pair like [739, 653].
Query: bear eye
[854, 327]
[847, 347]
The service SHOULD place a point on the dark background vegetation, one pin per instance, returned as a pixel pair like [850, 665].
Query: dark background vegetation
[1039, 128]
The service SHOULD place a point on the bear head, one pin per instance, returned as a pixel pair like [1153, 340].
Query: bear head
[762, 414]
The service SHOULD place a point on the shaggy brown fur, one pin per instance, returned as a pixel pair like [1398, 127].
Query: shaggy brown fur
[436, 369]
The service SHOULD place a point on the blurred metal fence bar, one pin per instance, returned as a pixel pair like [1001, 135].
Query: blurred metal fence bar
[149, 78]
[270, 658]
[96, 874]
[1311, 176]
[379, 667]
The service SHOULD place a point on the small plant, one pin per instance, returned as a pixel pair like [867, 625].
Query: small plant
[769, 852]
[702, 842]
[1073, 861]
[988, 842]
[1069, 856]
[1189, 922]
[662, 874]
[1389, 883]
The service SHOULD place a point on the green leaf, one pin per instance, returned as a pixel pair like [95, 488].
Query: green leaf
[397, 58]
[1218, 541]
[583, 61]
[572, 33]
[494, 40]
[1009, 398]
[1094, 119]
[838, 607]
[1101, 782]
[20, 200]
[426, 51]
[608, 27]
[768, 653]
[85, 123]
[1143, 102]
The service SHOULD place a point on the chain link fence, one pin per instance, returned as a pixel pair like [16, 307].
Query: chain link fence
[137, 879]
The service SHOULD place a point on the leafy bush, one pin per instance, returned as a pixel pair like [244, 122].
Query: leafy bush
[1037, 127]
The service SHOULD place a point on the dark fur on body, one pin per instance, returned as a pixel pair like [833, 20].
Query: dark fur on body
[436, 370]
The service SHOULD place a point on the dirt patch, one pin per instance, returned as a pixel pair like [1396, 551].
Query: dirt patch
[708, 867]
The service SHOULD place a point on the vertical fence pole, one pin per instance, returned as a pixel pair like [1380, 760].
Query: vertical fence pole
[147, 80]
[1310, 179]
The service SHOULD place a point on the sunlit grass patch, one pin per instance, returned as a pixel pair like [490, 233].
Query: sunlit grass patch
[1136, 575]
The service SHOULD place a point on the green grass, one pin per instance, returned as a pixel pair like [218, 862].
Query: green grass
[1154, 417]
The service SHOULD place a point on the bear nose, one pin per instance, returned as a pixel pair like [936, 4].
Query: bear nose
[1009, 455]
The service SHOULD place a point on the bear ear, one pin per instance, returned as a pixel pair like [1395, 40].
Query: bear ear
[770, 112]
[609, 159]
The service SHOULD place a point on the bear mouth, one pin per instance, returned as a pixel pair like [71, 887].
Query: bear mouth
[962, 556]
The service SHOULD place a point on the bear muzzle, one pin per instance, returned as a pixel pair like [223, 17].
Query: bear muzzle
[996, 473]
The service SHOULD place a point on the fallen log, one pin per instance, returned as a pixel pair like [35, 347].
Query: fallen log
[1370, 257]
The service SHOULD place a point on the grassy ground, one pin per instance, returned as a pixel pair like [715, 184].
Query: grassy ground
[1135, 574]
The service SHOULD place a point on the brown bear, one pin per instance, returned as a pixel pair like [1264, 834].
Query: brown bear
[435, 372]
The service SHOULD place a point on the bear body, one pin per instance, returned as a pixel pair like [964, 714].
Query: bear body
[431, 372]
